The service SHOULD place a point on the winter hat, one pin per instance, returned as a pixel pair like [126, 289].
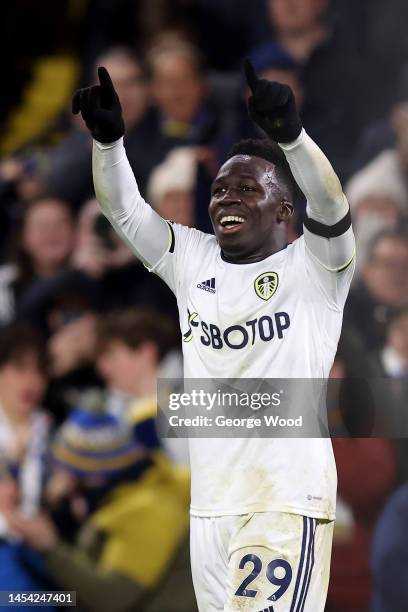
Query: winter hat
[176, 173]
[96, 443]
[382, 177]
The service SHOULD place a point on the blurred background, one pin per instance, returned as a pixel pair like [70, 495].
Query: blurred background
[90, 499]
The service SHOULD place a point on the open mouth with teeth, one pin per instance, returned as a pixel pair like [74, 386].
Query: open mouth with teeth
[231, 222]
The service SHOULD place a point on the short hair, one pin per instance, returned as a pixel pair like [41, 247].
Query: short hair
[134, 327]
[17, 340]
[271, 152]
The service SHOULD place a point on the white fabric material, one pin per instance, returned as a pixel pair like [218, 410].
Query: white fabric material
[326, 202]
[382, 177]
[143, 230]
[219, 544]
[314, 174]
[258, 475]
[393, 364]
[8, 275]
[176, 173]
[32, 467]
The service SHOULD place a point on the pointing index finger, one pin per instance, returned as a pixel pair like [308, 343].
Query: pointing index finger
[104, 79]
[251, 76]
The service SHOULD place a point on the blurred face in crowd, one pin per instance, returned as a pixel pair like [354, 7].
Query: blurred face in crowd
[131, 86]
[177, 86]
[22, 384]
[295, 16]
[398, 336]
[178, 206]
[125, 368]
[48, 235]
[286, 77]
[371, 215]
[385, 274]
[382, 207]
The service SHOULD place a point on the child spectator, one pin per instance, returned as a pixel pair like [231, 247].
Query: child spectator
[24, 425]
[131, 347]
[132, 549]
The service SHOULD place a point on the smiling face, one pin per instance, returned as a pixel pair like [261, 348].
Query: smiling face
[48, 235]
[249, 205]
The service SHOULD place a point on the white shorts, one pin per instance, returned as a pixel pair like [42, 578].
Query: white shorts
[268, 561]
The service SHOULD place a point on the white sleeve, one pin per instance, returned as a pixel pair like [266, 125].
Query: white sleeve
[172, 251]
[147, 234]
[327, 227]
[328, 235]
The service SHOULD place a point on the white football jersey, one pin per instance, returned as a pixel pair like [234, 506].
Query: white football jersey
[277, 318]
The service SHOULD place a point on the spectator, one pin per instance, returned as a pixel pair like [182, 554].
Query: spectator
[385, 142]
[24, 425]
[326, 57]
[21, 569]
[119, 279]
[131, 347]
[132, 550]
[172, 185]
[179, 88]
[299, 25]
[378, 198]
[103, 274]
[43, 248]
[71, 310]
[394, 355]
[389, 555]
[380, 136]
[391, 361]
[367, 470]
[382, 288]
[189, 112]
[72, 157]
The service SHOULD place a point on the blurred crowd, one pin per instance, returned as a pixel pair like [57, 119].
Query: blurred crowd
[90, 498]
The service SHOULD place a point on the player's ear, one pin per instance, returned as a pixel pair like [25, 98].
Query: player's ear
[284, 211]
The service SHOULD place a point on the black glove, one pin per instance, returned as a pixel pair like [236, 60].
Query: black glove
[272, 106]
[100, 109]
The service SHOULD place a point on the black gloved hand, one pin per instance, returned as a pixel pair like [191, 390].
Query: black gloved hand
[100, 109]
[272, 106]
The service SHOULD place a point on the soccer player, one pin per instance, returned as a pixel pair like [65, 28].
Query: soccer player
[262, 511]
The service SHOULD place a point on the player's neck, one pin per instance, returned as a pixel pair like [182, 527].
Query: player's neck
[242, 259]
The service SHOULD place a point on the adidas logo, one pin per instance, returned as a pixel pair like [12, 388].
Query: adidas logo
[208, 285]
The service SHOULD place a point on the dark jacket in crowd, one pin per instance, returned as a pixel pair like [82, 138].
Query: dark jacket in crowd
[389, 558]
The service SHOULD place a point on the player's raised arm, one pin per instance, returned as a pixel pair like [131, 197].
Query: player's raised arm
[328, 233]
[146, 233]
